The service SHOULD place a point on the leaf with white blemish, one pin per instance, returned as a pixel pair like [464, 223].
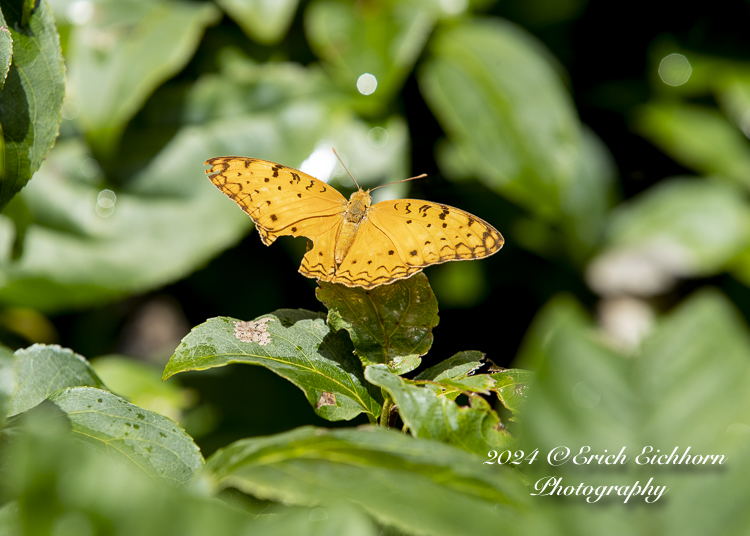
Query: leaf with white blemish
[296, 345]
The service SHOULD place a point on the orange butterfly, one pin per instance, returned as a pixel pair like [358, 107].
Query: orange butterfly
[354, 242]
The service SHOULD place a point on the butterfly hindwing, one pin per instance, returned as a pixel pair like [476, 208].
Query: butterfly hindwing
[319, 261]
[374, 259]
[280, 200]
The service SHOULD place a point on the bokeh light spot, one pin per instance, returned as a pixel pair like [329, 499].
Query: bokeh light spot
[105, 203]
[585, 396]
[321, 162]
[675, 70]
[70, 109]
[89, 168]
[80, 12]
[378, 137]
[367, 84]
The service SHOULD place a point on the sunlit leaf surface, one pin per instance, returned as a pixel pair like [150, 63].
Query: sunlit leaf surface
[41, 370]
[115, 62]
[154, 443]
[296, 345]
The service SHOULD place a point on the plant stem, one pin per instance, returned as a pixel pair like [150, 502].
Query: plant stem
[385, 413]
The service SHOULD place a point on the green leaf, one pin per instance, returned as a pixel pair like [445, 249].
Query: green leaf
[390, 324]
[8, 382]
[501, 103]
[382, 39]
[451, 377]
[154, 443]
[415, 485]
[697, 137]
[296, 345]
[678, 228]
[41, 370]
[266, 22]
[6, 50]
[32, 97]
[456, 367]
[692, 369]
[127, 50]
[475, 428]
[511, 386]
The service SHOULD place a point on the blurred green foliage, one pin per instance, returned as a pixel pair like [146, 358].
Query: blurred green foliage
[619, 181]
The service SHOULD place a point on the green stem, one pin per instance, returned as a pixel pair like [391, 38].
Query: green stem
[385, 413]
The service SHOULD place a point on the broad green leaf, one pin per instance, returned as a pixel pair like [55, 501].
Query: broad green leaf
[154, 443]
[266, 22]
[8, 382]
[415, 485]
[456, 367]
[141, 384]
[678, 228]
[390, 324]
[511, 386]
[699, 138]
[501, 103]
[41, 370]
[6, 50]
[31, 99]
[475, 428]
[382, 39]
[692, 369]
[296, 345]
[510, 122]
[124, 52]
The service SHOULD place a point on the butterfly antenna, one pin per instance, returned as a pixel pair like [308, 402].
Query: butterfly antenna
[342, 163]
[422, 176]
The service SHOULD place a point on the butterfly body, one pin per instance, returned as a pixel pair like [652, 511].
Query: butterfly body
[354, 243]
[356, 211]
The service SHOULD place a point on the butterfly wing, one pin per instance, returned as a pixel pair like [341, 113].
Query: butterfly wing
[280, 200]
[399, 238]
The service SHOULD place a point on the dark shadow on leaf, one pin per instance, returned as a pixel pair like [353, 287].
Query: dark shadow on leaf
[14, 108]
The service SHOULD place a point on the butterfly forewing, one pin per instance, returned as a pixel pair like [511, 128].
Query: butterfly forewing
[280, 200]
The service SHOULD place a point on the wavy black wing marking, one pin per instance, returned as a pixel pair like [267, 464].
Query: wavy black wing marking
[319, 261]
[374, 259]
[280, 200]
